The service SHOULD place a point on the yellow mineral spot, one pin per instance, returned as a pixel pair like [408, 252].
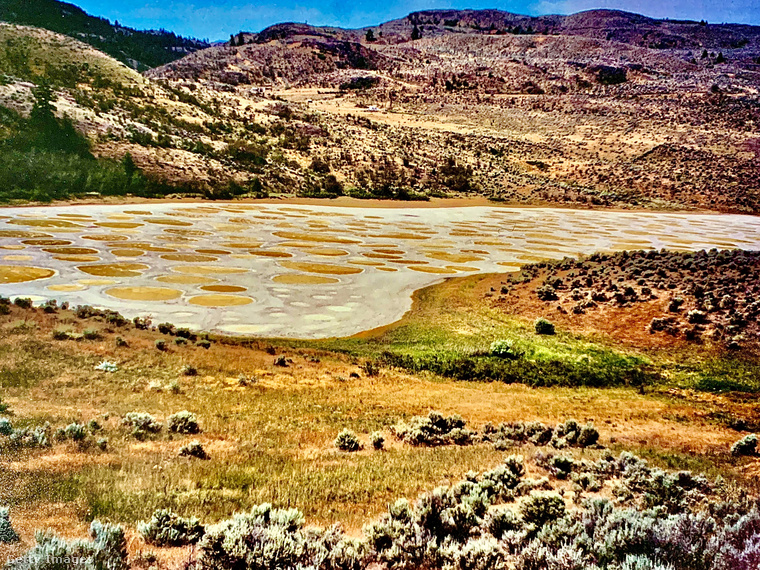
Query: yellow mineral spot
[22, 274]
[453, 257]
[124, 252]
[299, 236]
[168, 222]
[223, 288]
[189, 257]
[67, 288]
[431, 269]
[106, 237]
[22, 234]
[119, 225]
[44, 223]
[186, 279]
[271, 253]
[47, 242]
[325, 268]
[77, 258]
[220, 300]
[71, 250]
[144, 293]
[208, 270]
[114, 269]
[300, 279]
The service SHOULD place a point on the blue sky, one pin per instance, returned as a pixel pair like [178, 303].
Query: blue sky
[217, 19]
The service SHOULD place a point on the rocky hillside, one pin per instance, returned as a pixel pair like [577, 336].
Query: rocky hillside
[140, 50]
[552, 110]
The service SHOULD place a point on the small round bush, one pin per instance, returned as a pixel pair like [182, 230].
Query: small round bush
[23, 302]
[377, 439]
[347, 441]
[5, 427]
[183, 422]
[544, 327]
[7, 534]
[539, 508]
[166, 528]
[193, 449]
[745, 446]
[503, 349]
[142, 424]
[160, 345]
[588, 436]
[75, 432]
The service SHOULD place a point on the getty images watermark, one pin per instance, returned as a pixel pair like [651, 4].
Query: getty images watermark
[69, 561]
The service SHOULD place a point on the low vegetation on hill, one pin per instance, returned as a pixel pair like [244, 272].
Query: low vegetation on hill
[140, 50]
[704, 295]
[493, 105]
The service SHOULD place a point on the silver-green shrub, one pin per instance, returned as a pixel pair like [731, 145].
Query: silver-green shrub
[745, 446]
[347, 441]
[166, 528]
[183, 422]
[106, 551]
[267, 538]
[142, 424]
[193, 449]
[434, 429]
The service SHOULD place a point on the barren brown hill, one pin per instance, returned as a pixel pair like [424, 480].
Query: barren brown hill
[583, 110]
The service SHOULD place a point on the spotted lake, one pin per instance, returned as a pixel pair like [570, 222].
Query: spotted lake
[306, 271]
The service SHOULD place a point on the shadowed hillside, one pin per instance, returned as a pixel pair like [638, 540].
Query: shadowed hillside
[138, 49]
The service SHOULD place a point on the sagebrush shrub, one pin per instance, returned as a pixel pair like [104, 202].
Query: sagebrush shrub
[6, 428]
[193, 449]
[183, 422]
[75, 432]
[377, 440]
[539, 508]
[106, 551]
[745, 446]
[347, 441]
[434, 429]
[142, 424]
[166, 528]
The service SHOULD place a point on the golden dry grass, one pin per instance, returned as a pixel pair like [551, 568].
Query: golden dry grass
[270, 436]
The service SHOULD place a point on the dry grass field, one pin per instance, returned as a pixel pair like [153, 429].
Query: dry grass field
[269, 429]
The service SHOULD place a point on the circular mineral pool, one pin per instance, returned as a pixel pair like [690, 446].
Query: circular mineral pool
[144, 293]
[220, 300]
[22, 274]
